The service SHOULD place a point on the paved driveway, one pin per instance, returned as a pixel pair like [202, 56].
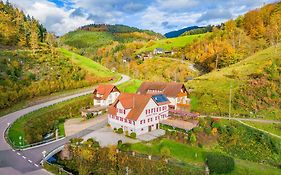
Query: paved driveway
[151, 135]
[105, 136]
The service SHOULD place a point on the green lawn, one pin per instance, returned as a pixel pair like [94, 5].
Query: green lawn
[130, 86]
[179, 151]
[187, 153]
[88, 64]
[243, 167]
[170, 43]
[274, 128]
[61, 129]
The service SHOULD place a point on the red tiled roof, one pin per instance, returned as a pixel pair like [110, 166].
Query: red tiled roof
[105, 90]
[135, 102]
[170, 89]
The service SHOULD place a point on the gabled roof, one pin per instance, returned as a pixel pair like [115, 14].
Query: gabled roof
[170, 89]
[105, 90]
[135, 102]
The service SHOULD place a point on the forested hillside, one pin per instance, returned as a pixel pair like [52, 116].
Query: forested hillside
[88, 40]
[32, 65]
[19, 30]
[237, 39]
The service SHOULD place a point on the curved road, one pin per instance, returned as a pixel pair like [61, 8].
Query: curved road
[27, 162]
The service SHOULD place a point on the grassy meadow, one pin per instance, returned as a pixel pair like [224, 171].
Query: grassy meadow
[88, 64]
[274, 128]
[196, 156]
[169, 43]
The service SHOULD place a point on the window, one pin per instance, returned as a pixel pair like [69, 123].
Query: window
[130, 121]
[155, 118]
[121, 119]
[117, 118]
[134, 123]
[125, 120]
[141, 122]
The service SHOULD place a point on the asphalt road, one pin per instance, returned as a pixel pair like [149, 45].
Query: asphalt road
[14, 162]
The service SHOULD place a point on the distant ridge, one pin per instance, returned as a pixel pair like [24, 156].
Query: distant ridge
[177, 33]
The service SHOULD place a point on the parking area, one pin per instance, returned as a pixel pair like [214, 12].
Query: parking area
[151, 135]
[105, 136]
[75, 125]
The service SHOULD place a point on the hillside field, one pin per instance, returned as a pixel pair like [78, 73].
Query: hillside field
[88, 64]
[211, 91]
[169, 43]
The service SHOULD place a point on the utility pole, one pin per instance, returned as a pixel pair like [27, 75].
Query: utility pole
[229, 109]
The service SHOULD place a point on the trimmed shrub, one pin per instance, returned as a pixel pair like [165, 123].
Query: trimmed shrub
[216, 124]
[89, 116]
[208, 130]
[125, 147]
[133, 135]
[219, 163]
[165, 152]
[221, 129]
[192, 138]
[119, 142]
[200, 145]
[120, 131]
[197, 129]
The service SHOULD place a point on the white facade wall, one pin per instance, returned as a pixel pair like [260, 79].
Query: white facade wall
[145, 121]
[110, 99]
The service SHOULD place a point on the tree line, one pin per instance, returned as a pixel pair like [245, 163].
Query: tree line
[237, 39]
[18, 29]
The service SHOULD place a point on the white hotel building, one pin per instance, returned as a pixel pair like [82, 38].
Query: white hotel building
[138, 113]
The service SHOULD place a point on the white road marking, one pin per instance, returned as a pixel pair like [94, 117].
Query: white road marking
[29, 161]
[13, 150]
[36, 165]
[24, 157]
[18, 153]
